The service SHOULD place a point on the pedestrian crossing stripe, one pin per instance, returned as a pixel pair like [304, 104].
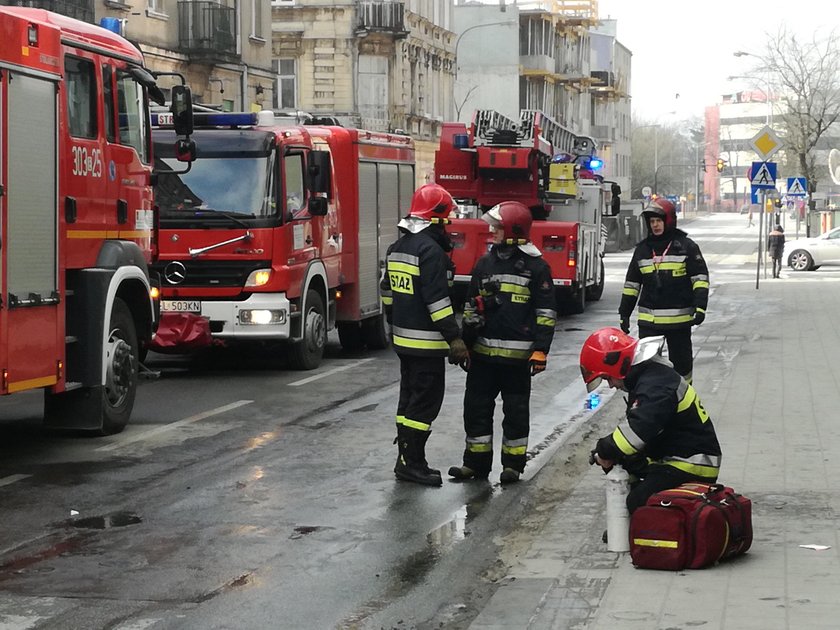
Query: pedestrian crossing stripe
[763, 176]
[796, 187]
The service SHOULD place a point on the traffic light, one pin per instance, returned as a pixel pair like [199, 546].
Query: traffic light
[721, 164]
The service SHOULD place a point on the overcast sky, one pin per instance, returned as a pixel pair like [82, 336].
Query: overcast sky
[686, 48]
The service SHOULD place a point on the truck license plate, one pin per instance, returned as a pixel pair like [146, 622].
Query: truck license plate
[180, 306]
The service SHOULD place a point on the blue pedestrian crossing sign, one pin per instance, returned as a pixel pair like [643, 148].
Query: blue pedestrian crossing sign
[797, 187]
[763, 174]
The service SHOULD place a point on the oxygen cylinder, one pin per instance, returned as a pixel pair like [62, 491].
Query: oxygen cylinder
[618, 518]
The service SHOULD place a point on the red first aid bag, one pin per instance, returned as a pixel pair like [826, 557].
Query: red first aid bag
[180, 333]
[692, 526]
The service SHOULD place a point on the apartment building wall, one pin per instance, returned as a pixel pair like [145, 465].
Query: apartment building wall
[225, 57]
[378, 65]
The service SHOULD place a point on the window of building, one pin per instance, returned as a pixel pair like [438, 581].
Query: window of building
[131, 111]
[80, 81]
[285, 91]
[155, 6]
[256, 22]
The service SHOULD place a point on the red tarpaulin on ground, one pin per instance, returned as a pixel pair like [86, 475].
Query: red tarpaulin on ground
[180, 333]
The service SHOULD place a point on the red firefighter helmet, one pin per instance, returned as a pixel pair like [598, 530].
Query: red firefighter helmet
[431, 202]
[607, 352]
[513, 219]
[663, 209]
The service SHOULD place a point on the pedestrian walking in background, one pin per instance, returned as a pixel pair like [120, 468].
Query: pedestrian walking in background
[509, 320]
[750, 218]
[415, 294]
[669, 278]
[776, 247]
[667, 437]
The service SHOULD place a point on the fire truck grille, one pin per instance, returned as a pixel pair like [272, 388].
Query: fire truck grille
[207, 273]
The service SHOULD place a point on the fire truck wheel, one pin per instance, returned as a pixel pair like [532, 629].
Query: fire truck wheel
[121, 356]
[350, 336]
[307, 353]
[571, 302]
[376, 332]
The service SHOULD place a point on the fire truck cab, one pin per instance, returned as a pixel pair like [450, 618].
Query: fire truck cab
[278, 232]
[497, 159]
[76, 217]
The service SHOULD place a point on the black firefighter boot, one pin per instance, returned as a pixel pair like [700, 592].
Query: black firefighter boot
[411, 460]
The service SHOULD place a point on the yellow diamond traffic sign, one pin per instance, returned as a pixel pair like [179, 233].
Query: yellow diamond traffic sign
[766, 143]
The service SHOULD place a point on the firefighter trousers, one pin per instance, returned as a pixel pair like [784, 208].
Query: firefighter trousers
[655, 478]
[680, 352]
[485, 381]
[422, 383]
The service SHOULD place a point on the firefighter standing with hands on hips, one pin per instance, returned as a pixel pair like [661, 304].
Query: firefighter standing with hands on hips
[670, 279]
[415, 293]
[508, 324]
[667, 438]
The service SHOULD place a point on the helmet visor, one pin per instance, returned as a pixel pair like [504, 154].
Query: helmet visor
[591, 379]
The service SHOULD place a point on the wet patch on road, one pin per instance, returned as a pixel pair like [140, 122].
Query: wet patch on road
[107, 521]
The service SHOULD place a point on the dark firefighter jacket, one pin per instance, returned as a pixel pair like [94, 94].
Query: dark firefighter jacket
[665, 423]
[669, 277]
[415, 293]
[776, 243]
[518, 307]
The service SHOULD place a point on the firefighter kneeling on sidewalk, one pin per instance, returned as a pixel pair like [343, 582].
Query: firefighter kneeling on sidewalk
[508, 325]
[667, 438]
[415, 294]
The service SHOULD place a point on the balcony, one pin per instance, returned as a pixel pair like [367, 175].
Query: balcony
[381, 17]
[206, 31]
[80, 9]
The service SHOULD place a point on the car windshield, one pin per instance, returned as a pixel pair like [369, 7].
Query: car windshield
[241, 186]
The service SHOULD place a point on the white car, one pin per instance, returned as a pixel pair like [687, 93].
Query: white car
[807, 254]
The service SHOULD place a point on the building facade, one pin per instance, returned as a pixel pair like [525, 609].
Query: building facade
[374, 64]
[222, 48]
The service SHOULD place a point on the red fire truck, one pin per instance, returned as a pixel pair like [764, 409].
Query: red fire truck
[497, 159]
[76, 217]
[278, 232]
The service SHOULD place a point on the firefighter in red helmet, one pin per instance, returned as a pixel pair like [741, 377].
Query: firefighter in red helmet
[415, 294]
[508, 324]
[669, 278]
[667, 437]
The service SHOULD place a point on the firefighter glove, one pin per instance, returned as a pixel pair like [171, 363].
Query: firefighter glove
[625, 325]
[537, 362]
[458, 352]
[699, 317]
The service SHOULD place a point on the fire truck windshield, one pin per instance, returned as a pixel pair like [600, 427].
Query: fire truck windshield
[218, 188]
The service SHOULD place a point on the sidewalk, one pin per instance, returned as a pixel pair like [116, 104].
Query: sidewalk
[768, 371]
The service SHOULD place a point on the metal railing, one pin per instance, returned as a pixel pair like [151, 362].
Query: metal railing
[206, 28]
[80, 9]
[381, 16]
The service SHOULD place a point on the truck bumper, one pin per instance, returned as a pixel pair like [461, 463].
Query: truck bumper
[261, 316]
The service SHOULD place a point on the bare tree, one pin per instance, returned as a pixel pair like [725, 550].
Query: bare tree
[460, 105]
[809, 77]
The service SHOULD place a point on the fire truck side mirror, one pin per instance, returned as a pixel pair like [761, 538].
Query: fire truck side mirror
[182, 112]
[184, 150]
[317, 206]
[319, 172]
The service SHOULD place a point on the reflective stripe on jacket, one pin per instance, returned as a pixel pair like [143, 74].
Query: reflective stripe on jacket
[415, 294]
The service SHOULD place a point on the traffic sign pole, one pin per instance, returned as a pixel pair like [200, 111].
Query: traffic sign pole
[762, 196]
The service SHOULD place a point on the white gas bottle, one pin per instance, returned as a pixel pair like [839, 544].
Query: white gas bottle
[618, 518]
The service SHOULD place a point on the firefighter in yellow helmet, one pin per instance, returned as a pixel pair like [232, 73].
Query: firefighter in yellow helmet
[415, 293]
[509, 323]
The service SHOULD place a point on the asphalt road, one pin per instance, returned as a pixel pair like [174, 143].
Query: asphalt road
[246, 495]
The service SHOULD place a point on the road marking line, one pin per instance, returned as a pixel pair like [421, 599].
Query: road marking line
[5, 481]
[200, 416]
[340, 368]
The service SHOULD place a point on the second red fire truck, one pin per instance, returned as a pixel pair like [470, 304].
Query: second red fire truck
[278, 233]
[548, 168]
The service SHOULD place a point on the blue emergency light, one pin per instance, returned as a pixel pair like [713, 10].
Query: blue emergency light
[115, 25]
[595, 164]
